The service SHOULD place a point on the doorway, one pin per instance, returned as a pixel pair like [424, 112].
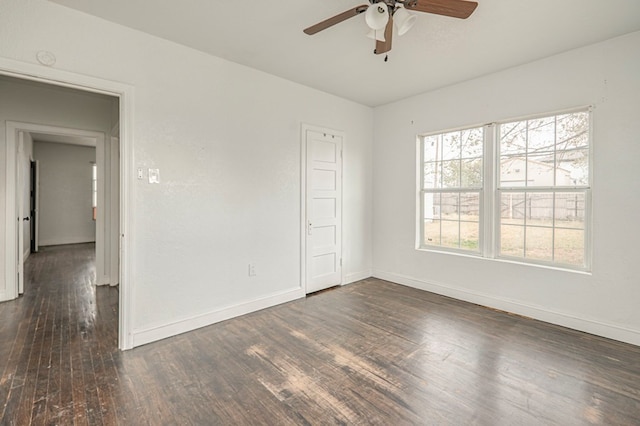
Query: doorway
[57, 80]
[67, 156]
[322, 208]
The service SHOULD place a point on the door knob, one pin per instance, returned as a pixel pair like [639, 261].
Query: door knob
[25, 218]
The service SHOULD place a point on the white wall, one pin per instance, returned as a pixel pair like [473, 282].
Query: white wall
[606, 75]
[66, 215]
[226, 139]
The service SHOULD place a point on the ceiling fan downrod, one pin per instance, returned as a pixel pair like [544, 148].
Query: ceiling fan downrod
[393, 3]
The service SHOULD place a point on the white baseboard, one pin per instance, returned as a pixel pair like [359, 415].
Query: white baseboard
[104, 280]
[152, 334]
[599, 328]
[64, 241]
[26, 254]
[356, 276]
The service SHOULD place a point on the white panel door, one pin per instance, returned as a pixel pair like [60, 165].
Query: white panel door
[323, 210]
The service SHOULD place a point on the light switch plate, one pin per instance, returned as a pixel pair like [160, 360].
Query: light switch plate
[154, 175]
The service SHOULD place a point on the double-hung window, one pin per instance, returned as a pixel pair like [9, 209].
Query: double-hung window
[517, 190]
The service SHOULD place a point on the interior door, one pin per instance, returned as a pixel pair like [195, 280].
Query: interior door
[323, 210]
[33, 214]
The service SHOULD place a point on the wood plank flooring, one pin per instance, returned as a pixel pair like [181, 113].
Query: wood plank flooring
[369, 353]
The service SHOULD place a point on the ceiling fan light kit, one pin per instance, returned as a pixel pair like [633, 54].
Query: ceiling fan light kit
[376, 35]
[377, 16]
[380, 16]
[403, 20]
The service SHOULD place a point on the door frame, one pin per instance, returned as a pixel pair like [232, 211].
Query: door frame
[114, 272]
[303, 200]
[88, 138]
[20, 158]
[124, 92]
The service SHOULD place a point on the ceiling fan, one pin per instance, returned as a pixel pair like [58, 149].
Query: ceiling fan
[380, 15]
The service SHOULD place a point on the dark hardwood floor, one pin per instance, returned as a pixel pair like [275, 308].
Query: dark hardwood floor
[368, 353]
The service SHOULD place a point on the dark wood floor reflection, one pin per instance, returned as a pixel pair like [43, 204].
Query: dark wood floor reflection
[368, 353]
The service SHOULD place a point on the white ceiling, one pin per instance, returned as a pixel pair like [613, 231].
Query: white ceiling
[436, 52]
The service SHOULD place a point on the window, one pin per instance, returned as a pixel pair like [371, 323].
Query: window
[534, 177]
[94, 190]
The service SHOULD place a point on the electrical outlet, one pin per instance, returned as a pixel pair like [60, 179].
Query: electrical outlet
[252, 269]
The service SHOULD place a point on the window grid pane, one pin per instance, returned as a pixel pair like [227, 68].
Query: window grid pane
[546, 226]
[545, 152]
[452, 219]
[453, 160]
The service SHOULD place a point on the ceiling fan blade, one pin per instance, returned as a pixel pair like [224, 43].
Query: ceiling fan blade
[455, 8]
[336, 19]
[385, 46]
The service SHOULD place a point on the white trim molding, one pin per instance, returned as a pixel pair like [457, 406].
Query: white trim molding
[10, 284]
[65, 241]
[587, 325]
[356, 276]
[159, 332]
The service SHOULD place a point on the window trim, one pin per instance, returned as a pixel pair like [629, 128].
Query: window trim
[489, 206]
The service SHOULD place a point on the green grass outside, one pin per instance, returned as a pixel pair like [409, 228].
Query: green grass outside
[565, 247]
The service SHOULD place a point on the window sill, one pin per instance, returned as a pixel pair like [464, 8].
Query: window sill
[471, 255]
